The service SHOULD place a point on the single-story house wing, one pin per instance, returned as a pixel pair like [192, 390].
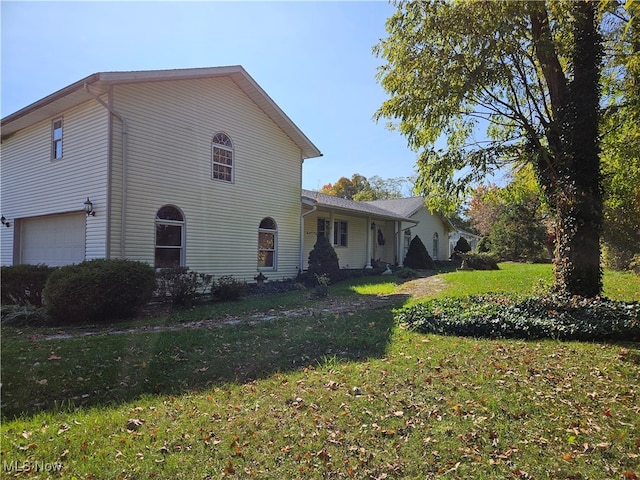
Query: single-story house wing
[433, 229]
[360, 232]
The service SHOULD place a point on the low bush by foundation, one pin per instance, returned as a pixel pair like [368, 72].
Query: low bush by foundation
[98, 290]
[24, 284]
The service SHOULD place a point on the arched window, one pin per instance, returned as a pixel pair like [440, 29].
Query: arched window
[436, 245]
[169, 237]
[222, 158]
[267, 243]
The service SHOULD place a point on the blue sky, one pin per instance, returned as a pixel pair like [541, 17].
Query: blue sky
[313, 58]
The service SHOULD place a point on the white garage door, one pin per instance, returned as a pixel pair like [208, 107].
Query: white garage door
[54, 240]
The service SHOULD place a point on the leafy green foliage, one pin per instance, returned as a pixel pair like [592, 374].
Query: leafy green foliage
[98, 290]
[362, 189]
[323, 260]
[227, 288]
[514, 219]
[530, 71]
[24, 284]
[530, 318]
[417, 256]
[621, 146]
[181, 285]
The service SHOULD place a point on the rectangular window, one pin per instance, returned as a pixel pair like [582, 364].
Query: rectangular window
[56, 139]
[222, 168]
[168, 245]
[340, 234]
[323, 228]
[266, 249]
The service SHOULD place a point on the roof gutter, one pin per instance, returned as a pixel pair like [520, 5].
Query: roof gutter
[123, 221]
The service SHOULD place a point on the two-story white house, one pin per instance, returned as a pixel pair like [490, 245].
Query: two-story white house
[195, 167]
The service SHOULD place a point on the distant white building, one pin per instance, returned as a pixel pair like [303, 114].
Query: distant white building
[471, 238]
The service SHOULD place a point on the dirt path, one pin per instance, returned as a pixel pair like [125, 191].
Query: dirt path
[418, 288]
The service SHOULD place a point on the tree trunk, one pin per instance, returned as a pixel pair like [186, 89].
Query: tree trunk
[578, 270]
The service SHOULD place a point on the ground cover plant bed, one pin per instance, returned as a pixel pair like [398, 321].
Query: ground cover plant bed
[529, 318]
[333, 393]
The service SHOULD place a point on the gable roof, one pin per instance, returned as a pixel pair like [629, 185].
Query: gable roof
[76, 94]
[400, 206]
[350, 206]
[408, 207]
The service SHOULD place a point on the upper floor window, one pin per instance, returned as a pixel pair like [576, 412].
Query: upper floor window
[56, 139]
[267, 243]
[222, 158]
[169, 237]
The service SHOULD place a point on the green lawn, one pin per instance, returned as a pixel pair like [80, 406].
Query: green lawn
[347, 395]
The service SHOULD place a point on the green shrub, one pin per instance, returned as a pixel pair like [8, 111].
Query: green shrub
[462, 246]
[24, 284]
[181, 285]
[323, 260]
[98, 290]
[417, 256]
[481, 261]
[484, 245]
[227, 288]
[542, 317]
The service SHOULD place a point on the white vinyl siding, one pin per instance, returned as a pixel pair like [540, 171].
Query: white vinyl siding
[170, 128]
[354, 255]
[33, 185]
[429, 225]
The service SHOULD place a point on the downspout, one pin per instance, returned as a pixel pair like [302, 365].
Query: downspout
[124, 167]
[315, 207]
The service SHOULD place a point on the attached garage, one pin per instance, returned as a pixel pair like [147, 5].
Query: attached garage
[53, 240]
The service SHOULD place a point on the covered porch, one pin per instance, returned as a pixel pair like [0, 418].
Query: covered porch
[361, 234]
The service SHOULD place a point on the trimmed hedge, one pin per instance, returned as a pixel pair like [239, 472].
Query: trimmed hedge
[98, 290]
[531, 318]
[417, 256]
[323, 260]
[24, 284]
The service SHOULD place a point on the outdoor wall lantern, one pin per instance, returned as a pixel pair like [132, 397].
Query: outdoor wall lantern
[88, 208]
[5, 222]
[373, 225]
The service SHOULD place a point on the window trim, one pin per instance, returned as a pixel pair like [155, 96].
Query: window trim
[226, 148]
[273, 232]
[435, 246]
[181, 224]
[57, 141]
[338, 233]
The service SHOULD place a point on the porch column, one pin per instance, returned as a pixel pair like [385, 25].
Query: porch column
[397, 229]
[368, 237]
